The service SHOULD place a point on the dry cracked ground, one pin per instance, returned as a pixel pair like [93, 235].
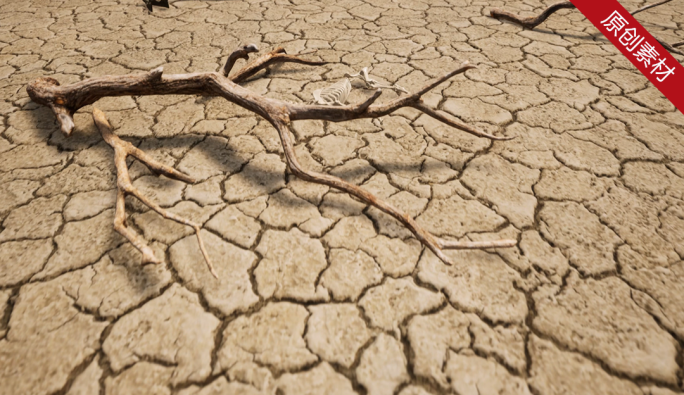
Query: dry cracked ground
[319, 294]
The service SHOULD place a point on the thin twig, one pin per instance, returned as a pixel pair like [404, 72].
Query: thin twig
[456, 123]
[644, 8]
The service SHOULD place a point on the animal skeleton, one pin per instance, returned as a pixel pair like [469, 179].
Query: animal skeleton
[338, 92]
[66, 100]
[373, 84]
[334, 94]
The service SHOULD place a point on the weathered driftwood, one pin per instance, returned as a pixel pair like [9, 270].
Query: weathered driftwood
[66, 100]
[534, 21]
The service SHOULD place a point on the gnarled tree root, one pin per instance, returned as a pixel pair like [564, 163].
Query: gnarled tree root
[66, 100]
[534, 21]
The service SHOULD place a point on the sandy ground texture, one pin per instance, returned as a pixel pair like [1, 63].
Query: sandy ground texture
[319, 294]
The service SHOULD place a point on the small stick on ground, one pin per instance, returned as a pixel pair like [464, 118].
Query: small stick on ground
[122, 149]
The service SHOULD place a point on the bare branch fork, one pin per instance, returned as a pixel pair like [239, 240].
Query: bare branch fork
[534, 21]
[66, 100]
[122, 149]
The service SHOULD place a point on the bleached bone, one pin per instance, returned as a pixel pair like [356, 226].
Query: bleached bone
[336, 93]
[373, 84]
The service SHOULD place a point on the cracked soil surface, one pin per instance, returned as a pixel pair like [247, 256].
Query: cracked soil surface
[319, 294]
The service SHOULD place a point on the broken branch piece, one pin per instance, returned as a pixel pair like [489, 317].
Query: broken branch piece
[66, 100]
[532, 22]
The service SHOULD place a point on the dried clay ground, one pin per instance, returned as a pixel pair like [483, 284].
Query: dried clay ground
[317, 293]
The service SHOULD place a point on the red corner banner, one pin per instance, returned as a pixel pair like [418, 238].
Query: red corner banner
[637, 44]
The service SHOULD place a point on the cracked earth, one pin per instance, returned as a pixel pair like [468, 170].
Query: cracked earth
[318, 293]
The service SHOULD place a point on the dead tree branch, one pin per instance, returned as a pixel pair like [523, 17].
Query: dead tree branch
[278, 55]
[435, 244]
[66, 100]
[532, 22]
[122, 149]
[240, 53]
